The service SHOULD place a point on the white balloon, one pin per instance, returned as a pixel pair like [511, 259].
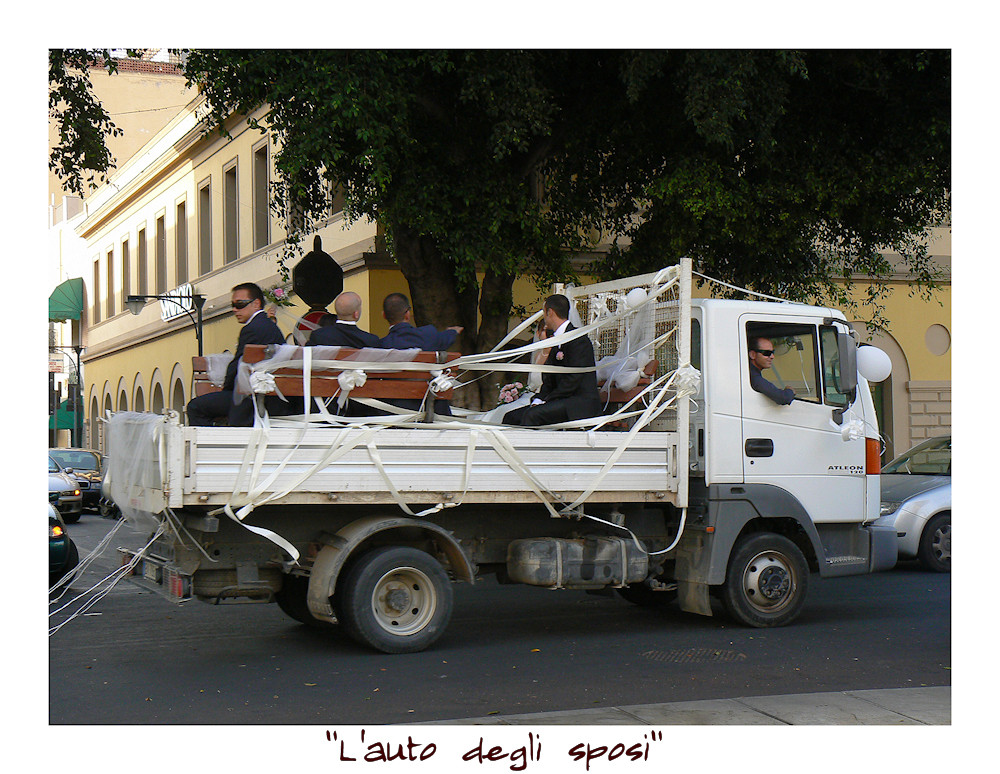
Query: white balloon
[635, 297]
[873, 364]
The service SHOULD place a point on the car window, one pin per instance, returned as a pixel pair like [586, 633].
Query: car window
[53, 466]
[930, 458]
[78, 460]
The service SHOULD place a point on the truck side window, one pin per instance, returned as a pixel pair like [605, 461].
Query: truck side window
[831, 367]
[796, 361]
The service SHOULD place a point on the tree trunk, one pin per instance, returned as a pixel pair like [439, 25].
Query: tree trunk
[436, 301]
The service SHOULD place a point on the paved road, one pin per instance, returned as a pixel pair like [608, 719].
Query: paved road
[509, 650]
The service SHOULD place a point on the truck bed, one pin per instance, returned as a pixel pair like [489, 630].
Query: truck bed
[423, 465]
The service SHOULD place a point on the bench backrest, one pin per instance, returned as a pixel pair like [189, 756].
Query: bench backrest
[381, 385]
[202, 385]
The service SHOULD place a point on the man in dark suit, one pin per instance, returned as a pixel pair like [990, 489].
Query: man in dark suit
[258, 328]
[344, 332]
[404, 335]
[563, 396]
[762, 358]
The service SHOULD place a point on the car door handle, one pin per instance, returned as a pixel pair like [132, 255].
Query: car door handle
[759, 447]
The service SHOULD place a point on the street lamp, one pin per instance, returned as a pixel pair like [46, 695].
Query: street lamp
[135, 304]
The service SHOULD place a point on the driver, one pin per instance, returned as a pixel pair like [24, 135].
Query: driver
[762, 358]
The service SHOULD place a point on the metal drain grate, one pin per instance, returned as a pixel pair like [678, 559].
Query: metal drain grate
[694, 655]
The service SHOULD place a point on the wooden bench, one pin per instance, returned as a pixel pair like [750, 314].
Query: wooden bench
[618, 395]
[202, 384]
[380, 385]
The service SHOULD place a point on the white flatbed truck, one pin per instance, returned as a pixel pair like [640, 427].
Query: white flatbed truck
[710, 489]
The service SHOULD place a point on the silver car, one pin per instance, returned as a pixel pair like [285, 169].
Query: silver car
[64, 493]
[916, 501]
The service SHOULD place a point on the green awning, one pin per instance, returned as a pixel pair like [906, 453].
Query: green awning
[64, 418]
[66, 301]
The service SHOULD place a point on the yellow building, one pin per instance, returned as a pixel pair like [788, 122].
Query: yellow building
[189, 213]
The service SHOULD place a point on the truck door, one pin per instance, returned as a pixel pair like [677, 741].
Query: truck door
[799, 447]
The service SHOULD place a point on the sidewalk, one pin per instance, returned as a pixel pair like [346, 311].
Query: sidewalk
[891, 706]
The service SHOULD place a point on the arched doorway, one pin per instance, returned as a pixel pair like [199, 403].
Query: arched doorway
[157, 401]
[892, 405]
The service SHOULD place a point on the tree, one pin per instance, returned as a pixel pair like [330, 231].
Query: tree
[776, 170]
[81, 153]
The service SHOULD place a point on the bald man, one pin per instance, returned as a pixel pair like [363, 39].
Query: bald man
[345, 331]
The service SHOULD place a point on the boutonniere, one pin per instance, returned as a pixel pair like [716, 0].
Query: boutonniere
[559, 355]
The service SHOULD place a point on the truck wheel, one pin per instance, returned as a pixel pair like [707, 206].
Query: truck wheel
[395, 599]
[291, 598]
[767, 580]
[934, 551]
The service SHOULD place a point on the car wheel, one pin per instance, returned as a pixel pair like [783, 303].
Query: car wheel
[766, 582]
[71, 518]
[395, 599]
[934, 551]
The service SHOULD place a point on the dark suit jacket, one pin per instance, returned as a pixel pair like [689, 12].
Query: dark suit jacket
[426, 337]
[760, 383]
[260, 329]
[579, 390]
[342, 335]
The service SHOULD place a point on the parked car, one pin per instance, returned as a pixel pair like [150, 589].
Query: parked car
[916, 500]
[85, 465]
[64, 493]
[63, 554]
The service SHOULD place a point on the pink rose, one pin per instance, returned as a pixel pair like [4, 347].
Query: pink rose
[559, 355]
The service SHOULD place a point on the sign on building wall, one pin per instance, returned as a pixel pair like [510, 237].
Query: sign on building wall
[176, 302]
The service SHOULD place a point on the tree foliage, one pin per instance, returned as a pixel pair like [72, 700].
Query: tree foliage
[80, 156]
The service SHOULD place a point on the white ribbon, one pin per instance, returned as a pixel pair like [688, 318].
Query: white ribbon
[348, 380]
[262, 382]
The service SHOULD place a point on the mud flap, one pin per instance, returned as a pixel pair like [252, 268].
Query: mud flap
[694, 598]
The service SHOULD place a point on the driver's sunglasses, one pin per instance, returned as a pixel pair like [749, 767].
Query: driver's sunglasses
[242, 303]
[765, 352]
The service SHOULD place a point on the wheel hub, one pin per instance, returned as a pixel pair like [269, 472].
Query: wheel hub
[773, 582]
[768, 582]
[404, 601]
[397, 600]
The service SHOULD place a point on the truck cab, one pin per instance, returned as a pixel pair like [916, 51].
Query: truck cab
[806, 471]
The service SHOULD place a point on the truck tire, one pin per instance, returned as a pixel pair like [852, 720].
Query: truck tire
[291, 598]
[395, 599]
[934, 551]
[767, 581]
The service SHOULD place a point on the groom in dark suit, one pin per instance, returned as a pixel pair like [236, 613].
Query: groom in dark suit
[258, 328]
[563, 396]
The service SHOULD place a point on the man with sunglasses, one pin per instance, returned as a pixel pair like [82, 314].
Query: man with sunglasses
[258, 328]
[762, 358]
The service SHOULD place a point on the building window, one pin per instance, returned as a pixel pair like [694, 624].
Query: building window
[182, 244]
[141, 263]
[230, 215]
[261, 221]
[96, 285]
[111, 283]
[205, 228]
[161, 255]
[126, 271]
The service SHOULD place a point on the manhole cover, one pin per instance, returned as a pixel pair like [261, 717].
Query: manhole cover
[694, 655]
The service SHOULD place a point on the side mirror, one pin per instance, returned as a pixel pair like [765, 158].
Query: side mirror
[848, 363]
